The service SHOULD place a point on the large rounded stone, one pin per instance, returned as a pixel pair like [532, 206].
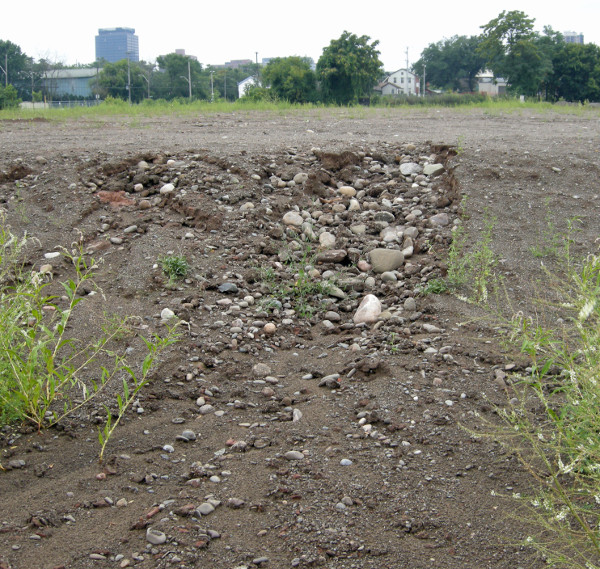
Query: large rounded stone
[368, 310]
[293, 218]
[409, 168]
[433, 169]
[384, 260]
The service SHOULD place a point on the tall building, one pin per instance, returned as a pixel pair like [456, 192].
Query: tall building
[572, 37]
[114, 44]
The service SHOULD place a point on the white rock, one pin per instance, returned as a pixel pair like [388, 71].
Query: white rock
[167, 314]
[327, 240]
[293, 218]
[294, 455]
[409, 168]
[439, 219]
[354, 205]
[301, 178]
[368, 310]
[347, 191]
[155, 537]
[433, 169]
[205, 509]
[167, 189]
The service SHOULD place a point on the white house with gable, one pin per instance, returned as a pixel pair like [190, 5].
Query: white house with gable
[401, 82]
[245, 84]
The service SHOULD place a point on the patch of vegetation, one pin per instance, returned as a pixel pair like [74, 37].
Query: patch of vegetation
[435, 286]
[47, 374]
[551, 241]
[298, 287]
[472, 267]
[174, 267]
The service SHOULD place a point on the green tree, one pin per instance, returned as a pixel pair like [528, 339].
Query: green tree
[113, 81]
[510, 48]
[576, 73]
[550, 45]
[174, 81]
[16, 68]
[451, 63]
[9, 97]
[349, 68]
[291, 79]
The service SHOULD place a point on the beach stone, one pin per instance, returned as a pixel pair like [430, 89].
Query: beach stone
[326, 240]
[260, 371]
[368, 310]
[294, 455]
[205, 509]
[433, 169]
[439, 220]
[410, 168]
[331, 256]
[293, 218]
[167, 314]
[347, 191]
[300, 178]
[384, 260]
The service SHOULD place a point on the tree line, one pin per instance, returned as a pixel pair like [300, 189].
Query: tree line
[535, 64]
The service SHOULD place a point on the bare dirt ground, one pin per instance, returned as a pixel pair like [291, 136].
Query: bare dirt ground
[349, 447]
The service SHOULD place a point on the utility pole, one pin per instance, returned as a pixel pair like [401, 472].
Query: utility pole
[225, 85]
[407, 92]
[256, 68]
[189, 79]
[147, 79]
[424, 79]
[128, 79]
[5, 69]
[212, 89]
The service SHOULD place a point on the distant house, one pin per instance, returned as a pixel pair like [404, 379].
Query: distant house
[245, 84]
[401, 82]
[59, 83]
[490, 85]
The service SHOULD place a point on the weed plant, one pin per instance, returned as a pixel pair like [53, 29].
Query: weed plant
[47, 374]
[553, 420]
[175, 267]
[298, 287]
[471, 267]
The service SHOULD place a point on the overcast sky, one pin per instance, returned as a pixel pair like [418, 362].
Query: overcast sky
[219, 31]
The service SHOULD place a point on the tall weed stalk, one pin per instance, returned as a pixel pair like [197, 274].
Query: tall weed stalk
[553, 421]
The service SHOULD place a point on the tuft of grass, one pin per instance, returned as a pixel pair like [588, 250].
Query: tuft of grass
[174, 267]
[472, 267]
[298, 287]
[436, 286]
